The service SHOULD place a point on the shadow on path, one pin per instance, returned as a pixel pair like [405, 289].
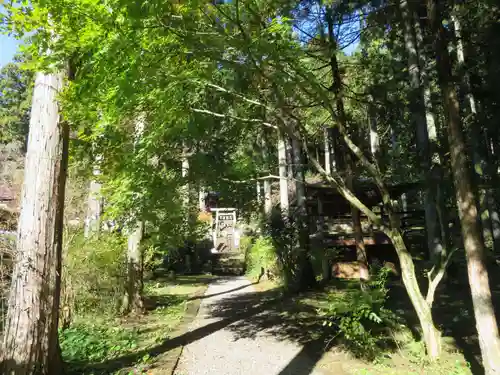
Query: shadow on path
[221, 293]
[247, 314]
[305, 361]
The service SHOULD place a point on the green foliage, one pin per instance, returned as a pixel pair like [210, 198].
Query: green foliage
[95, 343]
[289, 254]
[98, 338]
[94, 273]
[15, 102]
[359, 318]
[206, 78]
[261, 255]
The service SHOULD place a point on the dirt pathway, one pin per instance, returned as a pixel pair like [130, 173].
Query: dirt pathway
[225, 344]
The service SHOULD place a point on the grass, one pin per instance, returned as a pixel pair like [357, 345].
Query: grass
[93, 341]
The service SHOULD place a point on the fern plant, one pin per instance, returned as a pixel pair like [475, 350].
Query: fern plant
[358, 317]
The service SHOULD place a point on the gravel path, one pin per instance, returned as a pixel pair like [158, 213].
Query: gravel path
[219, 347]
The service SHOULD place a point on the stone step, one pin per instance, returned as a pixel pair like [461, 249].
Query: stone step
[229, 270]
[230, 254]
[225, 260]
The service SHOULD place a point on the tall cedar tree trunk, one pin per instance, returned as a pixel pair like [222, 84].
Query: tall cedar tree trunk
[30, 343]
[487, 205]
[486, 324]
[307, 278]
[133, 299]
[437, 160]
[425, 126]
[361, 255]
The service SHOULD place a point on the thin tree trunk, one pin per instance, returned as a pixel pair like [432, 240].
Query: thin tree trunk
[326, 270]
[94, 208]
[394, 140]
[268, 203]
[306, 272]
[486, 324]
[361, 255]
[432, 335]
[133, 302]
[426, 87]
[329, 156]
[258, 190]
[373, 129]
[185, 174]
[425, 126]
[30, 343]
[292, 194]
[201, 199]
[284, 200]
[421, 304]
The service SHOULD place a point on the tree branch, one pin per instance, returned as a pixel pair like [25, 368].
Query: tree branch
[434, 281]
[221, 115]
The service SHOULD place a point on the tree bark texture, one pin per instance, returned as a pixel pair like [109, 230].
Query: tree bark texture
[486, 324]
[284, 200]
[133, 302]
[425, 126]
[431, 335]
[30, 344]
[486, 200]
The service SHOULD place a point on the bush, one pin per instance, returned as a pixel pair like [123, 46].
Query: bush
[94, 273]
[261, 255]
[359, 319]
